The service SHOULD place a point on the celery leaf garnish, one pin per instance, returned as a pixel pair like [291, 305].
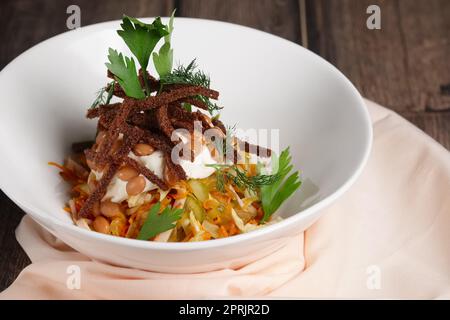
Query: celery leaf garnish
[124, 70]
[273, 195]
[157, 223]
[141, 38]
[163, 60]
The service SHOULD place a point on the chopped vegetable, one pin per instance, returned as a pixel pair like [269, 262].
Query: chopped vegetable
[193, 205]
[199, 189]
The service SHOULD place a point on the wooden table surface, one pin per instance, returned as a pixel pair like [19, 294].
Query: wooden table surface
[404, 66]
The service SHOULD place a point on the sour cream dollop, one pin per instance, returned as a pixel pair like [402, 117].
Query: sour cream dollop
[197, 169]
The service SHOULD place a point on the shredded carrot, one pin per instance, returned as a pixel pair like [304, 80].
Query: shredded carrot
[66, 173]
[60, 167]
[233, 229]
[222, 197]
[188, 237]
[179, 194]
[206, 236]
[223, 231]
[252, 169]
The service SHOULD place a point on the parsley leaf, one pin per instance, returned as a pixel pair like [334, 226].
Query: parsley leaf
[159, 222]
[124, 70]
[141, 38]
[272, 196]
[163, 60]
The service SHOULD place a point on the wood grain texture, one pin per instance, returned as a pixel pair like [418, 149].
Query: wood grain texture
[12, 258]
[25, 23]
[280, 17]
[425, 29]
[374, 60]
[405, 66]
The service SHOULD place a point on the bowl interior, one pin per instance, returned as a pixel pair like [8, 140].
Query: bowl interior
[265, 82]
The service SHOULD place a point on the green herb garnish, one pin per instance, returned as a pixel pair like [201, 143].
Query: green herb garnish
[212, 107]
[273, 195]
[187, 106]
[240, 177]
[163, 60]
[274, 188]
[124, 70]
[157, 223]
[101, 99]
[187, 75]
[190, 75]
[142, 38]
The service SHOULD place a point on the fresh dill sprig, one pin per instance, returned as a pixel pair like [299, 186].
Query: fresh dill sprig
[191, 75]
[98, 100]
[220, 181]
[241, 178]
[112, 84]
[213, 108]
[223, 146]
[187, 75]
[101, 98]
[231, 132]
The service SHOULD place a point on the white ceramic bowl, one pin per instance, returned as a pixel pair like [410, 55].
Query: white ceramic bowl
[264, 82]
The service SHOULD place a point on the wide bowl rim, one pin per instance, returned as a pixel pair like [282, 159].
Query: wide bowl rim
[51, 222]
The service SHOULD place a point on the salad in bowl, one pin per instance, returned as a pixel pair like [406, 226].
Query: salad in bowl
[162, 166]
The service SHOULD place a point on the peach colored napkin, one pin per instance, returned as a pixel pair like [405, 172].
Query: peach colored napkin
[388, 237]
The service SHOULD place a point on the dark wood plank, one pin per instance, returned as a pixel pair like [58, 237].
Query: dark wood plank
[426, 34]
[280, 17]
[374, 60]
[12, 258]
[25, 23]
[405, 66]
